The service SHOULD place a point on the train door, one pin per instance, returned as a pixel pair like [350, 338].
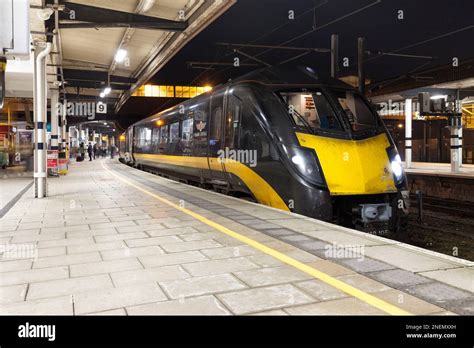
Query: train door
[216, 138]
[231, 148]
[129, 145]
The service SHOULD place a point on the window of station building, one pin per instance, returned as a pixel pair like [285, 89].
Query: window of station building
[174, 132]
[170, 91]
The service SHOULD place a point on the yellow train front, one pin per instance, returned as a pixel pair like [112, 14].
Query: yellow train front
[286, 138]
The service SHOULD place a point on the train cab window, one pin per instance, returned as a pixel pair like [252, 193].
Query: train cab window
[174, 132]
[358, 113]
[311, 109]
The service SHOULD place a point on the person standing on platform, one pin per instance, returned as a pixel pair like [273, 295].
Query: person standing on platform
[90, 151]
[82, 153]
[94, 149]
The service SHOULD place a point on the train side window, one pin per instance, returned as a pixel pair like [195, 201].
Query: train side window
[187, 131]
[200, 129]
[174, 132]
[164, 135]
[187, 136]
[156, 138]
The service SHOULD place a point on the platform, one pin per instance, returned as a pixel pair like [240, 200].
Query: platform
[466, 171]
[114, 240]
[437, 181]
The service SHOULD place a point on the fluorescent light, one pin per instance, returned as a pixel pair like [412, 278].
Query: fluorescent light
[107, 90]
[146, 5]
[435, 97]
[120, 55]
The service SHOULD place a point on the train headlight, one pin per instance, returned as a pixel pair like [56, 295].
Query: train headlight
[303, 166]
[396, 166]
[397, 169]
[305, 162]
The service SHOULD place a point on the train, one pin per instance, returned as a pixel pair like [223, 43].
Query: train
[286, 138]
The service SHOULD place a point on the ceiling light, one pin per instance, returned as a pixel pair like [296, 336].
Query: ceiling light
[435, 97]
[146, 5]
[45, 13]
[120, 55]
[107, 90]
[102, 94]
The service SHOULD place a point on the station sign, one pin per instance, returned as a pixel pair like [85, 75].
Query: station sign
[101, 108]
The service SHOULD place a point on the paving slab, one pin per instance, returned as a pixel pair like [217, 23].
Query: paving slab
[265, 298]
[204, 305]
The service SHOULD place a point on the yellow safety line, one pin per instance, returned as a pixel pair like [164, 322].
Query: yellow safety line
[336, 283]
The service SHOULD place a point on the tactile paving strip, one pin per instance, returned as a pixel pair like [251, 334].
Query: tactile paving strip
[399, 278]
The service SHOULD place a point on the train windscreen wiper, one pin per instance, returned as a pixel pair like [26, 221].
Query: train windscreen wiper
[303, 120]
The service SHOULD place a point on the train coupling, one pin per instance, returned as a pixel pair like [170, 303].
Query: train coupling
[369, 213]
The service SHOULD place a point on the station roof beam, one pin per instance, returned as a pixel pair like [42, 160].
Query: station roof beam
[86, 16]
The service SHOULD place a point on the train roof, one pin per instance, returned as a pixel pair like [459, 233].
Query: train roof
[276, 77]
[283, 75]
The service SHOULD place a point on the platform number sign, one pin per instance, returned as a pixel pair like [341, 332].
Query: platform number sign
[101, 108]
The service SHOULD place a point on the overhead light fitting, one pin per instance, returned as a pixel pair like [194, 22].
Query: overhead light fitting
[146, 5]
[120, 55]
[107, 90]
[45, 13]
[436, 97]
[102, 94]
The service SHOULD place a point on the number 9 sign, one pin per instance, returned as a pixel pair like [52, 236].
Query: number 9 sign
[101, 108]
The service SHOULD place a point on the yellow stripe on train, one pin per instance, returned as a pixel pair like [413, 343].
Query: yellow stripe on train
[262, 191]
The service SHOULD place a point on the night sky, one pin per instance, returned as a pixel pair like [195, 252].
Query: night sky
[248, 21]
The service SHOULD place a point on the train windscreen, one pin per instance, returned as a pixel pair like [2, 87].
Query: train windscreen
[358, 113]
[311, 110]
